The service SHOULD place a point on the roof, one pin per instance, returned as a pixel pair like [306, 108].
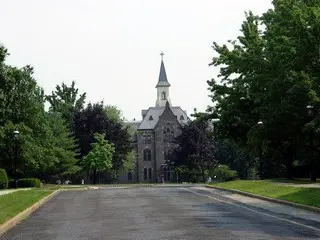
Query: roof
[163, 81]
[153, 114]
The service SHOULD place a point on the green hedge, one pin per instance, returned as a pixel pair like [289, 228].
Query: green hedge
[11, 183]
[224, 173]
[3, 179]
[29, 182]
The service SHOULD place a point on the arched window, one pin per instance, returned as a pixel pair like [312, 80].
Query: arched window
[163, 96]
[147, 155]
[181, 118]
[168, 135]
[150, 118]
[172, 137]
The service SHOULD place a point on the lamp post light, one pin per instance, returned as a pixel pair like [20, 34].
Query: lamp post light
[310, 113]
[15, 138]
[310, 110]
[260, 123]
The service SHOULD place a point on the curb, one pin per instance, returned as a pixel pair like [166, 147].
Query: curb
[25, 213]
[292, 204]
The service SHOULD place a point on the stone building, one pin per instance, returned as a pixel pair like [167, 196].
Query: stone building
[155, 134]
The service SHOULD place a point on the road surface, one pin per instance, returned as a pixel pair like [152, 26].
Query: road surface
[164, 213]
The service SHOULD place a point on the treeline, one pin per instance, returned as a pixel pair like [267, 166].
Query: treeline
[267, 93]
[265, 100]
[55, 143]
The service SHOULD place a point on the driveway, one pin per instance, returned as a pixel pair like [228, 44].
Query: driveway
[164, 213]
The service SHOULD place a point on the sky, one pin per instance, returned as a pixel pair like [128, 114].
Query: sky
[111, 48]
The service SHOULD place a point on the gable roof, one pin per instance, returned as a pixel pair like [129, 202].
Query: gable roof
[156, 112]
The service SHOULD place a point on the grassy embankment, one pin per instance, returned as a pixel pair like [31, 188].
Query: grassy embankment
[276, 189]
[13, 203]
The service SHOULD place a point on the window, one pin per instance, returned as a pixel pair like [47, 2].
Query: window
[147, 155]
[129, 176]
[181, 118]
[147, 139]
[150, 173]
[150, 118]
[168, 136]
[163, 96]
[167, 155]
[145, 173]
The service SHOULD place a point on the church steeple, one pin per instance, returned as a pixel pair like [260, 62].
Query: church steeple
[162, 86]
[163, 81]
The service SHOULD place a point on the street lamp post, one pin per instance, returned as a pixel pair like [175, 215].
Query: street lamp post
[313, 177]
[260, 123]
[16, 138]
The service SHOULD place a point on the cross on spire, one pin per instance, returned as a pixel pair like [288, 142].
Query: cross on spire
[161, 54]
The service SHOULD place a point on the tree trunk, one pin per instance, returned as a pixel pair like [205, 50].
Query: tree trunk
[95, 176]
[289, 161]
[288, 157]
[203, 174]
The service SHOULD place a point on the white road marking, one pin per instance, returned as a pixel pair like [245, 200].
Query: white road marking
[255, 211]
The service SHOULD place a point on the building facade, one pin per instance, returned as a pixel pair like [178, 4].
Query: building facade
[154, 139]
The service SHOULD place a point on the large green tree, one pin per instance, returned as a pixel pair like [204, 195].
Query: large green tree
[195, 148]
[93, 119]
[114, 113]
[99, 159]
[66, 100]
[269, 74]
[45, 146]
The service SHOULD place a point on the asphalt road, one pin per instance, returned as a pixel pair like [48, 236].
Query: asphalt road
[158, 213]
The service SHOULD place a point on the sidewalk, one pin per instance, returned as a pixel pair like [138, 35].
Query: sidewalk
[281, 210]
[4, 192]
[305, 185]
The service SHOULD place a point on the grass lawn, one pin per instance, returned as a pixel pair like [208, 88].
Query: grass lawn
[13, 203]
[307, 196]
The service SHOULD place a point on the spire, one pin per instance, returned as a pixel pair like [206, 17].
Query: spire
[163, 81]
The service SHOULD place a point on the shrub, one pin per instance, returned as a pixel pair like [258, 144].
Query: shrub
[253, 173]
[29, 182]
[224, 173]
[3, 179]
[11, 183]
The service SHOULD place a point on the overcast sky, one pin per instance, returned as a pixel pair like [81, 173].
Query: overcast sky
[111, 47]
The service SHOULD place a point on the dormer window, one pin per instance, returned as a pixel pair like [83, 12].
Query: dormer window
[150, 118]
[181, 118]
[163, 96]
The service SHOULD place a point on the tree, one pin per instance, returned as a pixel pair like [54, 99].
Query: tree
[269, 73]
[114, 113]
[130, 160]
[66, 101]
[195, 148]
[93, 119]
[45, 145]
[99, 159]
[63, 147]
